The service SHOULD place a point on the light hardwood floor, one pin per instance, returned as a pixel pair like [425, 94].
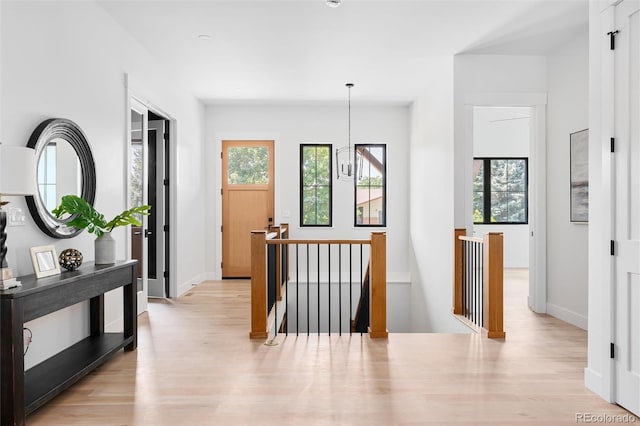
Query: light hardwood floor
[195, 365]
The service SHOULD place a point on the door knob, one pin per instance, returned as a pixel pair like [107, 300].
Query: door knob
[147, 233]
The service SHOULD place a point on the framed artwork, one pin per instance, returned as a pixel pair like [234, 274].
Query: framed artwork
[45, 261]
[579, 176]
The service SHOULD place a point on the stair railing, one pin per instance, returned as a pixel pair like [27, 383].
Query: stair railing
[316, 281]
[478, 281]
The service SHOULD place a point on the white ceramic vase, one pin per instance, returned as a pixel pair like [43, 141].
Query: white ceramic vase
[105, 249]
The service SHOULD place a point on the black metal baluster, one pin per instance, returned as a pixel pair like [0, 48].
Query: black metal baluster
[339, 289]
[308, 290]
[474, 253]
[481, 267]
[465, 277]
[275, 295]
[350, 290]
[318, 247]
[478, 251]
[286, 288]
[474, 278]
[470, 280]
[475, 287]
[329, 280]
[297, 292]
[361, 279]
[479, 286]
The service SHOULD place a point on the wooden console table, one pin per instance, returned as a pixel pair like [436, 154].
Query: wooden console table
[22, 392]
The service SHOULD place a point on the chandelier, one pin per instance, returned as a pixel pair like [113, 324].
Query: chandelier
[347, 156]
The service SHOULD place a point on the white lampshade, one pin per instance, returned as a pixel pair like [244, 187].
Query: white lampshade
[17, 170]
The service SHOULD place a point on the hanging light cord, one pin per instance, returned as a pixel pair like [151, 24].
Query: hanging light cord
[349, 85]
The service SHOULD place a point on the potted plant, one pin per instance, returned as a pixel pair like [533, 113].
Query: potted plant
[84, 215]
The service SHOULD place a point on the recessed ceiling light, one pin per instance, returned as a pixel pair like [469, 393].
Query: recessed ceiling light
[333, 3]
[205, 37]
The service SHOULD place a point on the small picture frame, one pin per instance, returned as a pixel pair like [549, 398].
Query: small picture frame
[45, 261]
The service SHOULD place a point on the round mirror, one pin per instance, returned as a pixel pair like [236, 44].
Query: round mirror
[65, 166]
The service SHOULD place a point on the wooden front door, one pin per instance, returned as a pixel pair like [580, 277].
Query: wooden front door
[247, 201]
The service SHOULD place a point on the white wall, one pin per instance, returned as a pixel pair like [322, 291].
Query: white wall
[477, 79]
[289, 126]
[504, 132]
[69, 59]
[431, 208]
[499, 80]
[567, 242]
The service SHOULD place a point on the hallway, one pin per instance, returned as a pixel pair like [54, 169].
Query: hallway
[195, 365]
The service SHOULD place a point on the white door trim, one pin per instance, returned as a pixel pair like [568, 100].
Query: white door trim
[133, 93]
[537, 182]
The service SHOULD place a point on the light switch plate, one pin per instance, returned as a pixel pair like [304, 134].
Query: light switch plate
[16, 216]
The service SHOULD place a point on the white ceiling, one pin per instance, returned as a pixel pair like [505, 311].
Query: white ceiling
[303, 51]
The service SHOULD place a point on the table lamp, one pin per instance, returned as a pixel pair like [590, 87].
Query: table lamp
[17, 177]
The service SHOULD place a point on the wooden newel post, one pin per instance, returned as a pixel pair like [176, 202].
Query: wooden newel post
[493, 271]
[378, 275]
[457, 270]
[258, 285]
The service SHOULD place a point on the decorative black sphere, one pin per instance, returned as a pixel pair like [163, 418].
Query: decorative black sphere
[70, 259]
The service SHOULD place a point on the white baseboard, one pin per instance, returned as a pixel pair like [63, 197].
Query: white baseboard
[115, 326]
[593, 382]
[567, 316]
[198, 279]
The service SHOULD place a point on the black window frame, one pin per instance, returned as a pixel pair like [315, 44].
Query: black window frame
[302, 186]
[383, 223]
[487, 190]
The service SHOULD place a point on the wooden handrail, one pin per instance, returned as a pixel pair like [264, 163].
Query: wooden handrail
[378, 277]
[471, 239]
[354, 242]
[493, 271]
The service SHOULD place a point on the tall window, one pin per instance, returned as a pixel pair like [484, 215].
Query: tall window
[315, 185]
[371, 185]
[500, 190]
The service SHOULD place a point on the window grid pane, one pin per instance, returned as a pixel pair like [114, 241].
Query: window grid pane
[248, 165]
[315, 185]
[506, 187]
[370, 185]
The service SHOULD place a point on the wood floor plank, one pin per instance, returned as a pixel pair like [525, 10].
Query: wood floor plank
[196, 366]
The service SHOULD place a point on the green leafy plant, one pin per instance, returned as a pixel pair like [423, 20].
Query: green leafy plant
[85, 216]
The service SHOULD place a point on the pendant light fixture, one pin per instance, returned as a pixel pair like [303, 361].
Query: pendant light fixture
[333, 3]
[346, 157]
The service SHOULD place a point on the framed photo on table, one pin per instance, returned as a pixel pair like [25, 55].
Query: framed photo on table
[45, 261]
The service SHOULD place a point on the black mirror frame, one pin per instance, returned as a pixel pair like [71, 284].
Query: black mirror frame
[61, 128]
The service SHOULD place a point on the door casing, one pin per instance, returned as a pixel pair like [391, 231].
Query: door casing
[132, 97]
[234, 245]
